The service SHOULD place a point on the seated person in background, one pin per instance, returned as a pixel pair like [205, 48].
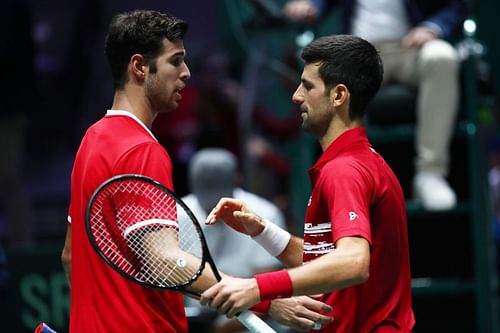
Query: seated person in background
[212, 175]
[410, 36]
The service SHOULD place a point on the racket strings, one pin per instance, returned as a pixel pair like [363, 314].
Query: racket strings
[144, 232]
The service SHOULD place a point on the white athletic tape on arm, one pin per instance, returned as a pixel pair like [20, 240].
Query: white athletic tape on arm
[273, 239]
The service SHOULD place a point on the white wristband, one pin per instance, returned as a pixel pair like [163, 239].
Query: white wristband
[273, 239]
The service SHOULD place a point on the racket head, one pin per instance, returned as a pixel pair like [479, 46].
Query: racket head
[128, 211]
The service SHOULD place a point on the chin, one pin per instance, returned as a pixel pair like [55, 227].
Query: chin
[305, 126]
[171, 106]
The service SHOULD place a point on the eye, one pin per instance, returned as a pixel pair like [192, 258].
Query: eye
[177, 61]
[307, 86]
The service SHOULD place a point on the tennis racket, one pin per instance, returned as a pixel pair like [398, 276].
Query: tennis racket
[44, 328]
[133, 223]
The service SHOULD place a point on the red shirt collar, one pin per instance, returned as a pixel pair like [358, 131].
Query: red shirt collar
[340, 144]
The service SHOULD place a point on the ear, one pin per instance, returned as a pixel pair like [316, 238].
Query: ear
[339, 95]
[138, 67]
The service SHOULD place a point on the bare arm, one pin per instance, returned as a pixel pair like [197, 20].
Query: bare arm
[236, 214]
[346, 266]
[177, 265]
[66, 255]
[292, 255]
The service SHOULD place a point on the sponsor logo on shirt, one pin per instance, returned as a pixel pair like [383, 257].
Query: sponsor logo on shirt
[320, 248]
[353, 216]
[318, 239]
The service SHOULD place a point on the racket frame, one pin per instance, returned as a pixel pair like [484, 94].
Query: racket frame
[247, 318]
[205, 258]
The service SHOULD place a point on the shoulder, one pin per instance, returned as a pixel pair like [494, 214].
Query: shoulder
[347, 166]
[350, 172]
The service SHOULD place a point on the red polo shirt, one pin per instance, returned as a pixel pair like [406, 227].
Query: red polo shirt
[355, 193]
[101, 299]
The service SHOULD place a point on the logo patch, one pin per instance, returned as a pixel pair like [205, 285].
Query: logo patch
[353, 216]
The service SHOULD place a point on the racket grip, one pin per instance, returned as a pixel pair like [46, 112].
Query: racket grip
[254, 323]
[44, 328]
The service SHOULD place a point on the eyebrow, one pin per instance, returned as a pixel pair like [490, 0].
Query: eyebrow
[179, 53]
[304, 80]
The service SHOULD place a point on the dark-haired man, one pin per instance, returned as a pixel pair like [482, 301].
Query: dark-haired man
[354, 253]
[146, 54]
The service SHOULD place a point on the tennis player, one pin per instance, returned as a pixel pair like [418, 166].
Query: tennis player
[355, 247]
[146, 54]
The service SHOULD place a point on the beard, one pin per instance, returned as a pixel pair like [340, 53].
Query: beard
[306, 123]
[158, 98]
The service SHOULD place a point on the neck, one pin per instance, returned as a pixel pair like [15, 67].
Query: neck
[132, 100]
[337, 128]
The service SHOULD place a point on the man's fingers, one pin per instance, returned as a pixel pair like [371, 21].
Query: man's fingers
[232, 312]
[322, 320]
[302, 325]
[315, 305]
[208, 295]
[312, 307]
[315, 317]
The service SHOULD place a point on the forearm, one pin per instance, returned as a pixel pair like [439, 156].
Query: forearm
[330, 272]
[170, 263]
[204, 281]
[280, 244]
[293, 253]
[346, 266]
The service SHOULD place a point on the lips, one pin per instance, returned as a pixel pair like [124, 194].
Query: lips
[178, 95]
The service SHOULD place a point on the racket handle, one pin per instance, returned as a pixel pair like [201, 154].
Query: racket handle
[254, 323]
[44, 328]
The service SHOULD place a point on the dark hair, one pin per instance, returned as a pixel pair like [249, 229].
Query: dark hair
[349, 60]
[139, 32]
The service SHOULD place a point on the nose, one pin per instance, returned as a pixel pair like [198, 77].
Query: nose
[297, 97]
[186, 73]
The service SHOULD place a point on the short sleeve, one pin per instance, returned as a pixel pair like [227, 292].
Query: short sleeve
[151, 160]
[346, 188]
[148, 159]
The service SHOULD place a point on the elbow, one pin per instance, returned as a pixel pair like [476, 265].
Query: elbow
[363, 277]
[362, 269]
[66, 258]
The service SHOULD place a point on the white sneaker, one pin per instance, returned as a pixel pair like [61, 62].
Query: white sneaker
[433, 192]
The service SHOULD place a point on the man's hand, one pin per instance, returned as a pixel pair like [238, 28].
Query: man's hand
[418, 36]
[300, 313]
[300, 10]
[237, 215]
[231, 295]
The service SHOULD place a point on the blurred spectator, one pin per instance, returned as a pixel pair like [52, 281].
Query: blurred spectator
[213, 175]
[410, 36]
[17, 94]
